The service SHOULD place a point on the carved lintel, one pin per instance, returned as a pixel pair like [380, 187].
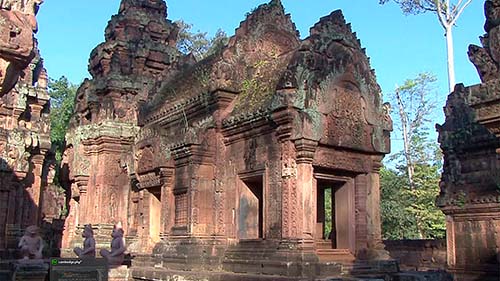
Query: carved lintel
[107, 144]
[156, 178]
[305, 150]
[192, 153]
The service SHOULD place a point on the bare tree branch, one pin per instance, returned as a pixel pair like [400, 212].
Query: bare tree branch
[455, 18]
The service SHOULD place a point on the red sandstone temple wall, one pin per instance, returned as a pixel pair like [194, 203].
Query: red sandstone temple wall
[28, 195]
[418, 255]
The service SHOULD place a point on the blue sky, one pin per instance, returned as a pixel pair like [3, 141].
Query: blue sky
[399, 46]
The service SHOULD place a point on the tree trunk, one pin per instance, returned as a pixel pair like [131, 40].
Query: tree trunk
[410, 168]
[406, 139]
[450, 57]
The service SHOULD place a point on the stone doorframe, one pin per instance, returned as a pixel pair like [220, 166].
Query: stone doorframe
[343, 199]
[252, 186]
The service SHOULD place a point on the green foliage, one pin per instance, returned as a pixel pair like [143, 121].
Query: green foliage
[397, 221]
[411, 213]
[408, 194]
[198, 43]
[217, 43]
[62, 99]
[328, 211]
[256, 89]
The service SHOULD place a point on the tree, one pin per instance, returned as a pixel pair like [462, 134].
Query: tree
[413, 110]
[409, 191]
[397, 220]
[62, 99]
[447, 13]
[198, 43]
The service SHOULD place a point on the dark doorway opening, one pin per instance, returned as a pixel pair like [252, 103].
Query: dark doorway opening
[251, 208]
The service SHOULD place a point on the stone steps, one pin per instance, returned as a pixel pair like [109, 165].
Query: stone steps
[337, 255]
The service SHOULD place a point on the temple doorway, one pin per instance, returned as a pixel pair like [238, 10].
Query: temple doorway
[335, 216]
[325, 226]
[251, 207]
[154, 213]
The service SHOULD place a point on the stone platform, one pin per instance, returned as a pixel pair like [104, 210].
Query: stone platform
[28, 270]
[380, 270]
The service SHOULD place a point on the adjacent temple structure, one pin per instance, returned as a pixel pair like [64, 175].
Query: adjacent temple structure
[470, 184]
[222, 165]
[27, 165]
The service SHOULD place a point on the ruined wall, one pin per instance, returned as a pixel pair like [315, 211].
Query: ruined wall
[418, 255]
[27, 195]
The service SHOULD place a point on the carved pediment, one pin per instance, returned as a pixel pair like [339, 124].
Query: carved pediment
[329, 80]
[146, 160]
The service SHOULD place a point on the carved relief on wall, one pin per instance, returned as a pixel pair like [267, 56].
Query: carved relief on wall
[17, 47]
[145, 160]
[345, 123]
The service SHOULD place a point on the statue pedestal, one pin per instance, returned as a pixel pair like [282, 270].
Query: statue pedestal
[29, 270]
[118, 273]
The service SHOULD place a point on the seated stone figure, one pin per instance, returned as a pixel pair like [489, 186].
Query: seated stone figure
[88, 250]
[116, 256]
[31, 243]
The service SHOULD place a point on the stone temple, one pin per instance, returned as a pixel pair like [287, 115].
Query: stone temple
[470, 184]
[221, 165]
[220, 169]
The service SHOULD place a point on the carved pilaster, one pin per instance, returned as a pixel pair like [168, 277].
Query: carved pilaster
[298, 186]
[168, 205]
[82, 184]
[376, 249]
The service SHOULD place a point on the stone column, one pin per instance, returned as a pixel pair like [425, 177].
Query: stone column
[360, 198]
[35, 110]
[168, 204]
[450, 241]
[81, 183]
[374, 230]
[35, 190]
[306, 188]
